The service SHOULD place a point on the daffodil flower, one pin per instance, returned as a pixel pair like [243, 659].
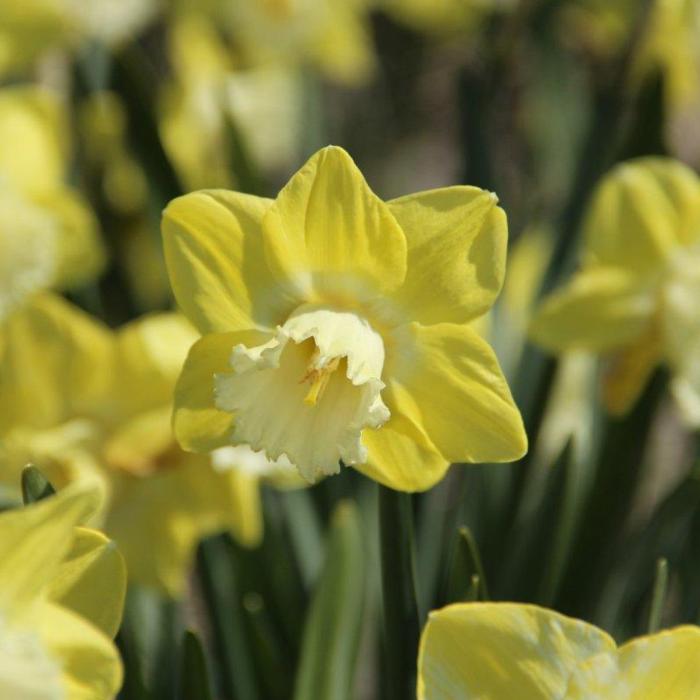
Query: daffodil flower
[61, 596]
[90, 405]
[336, 326]
[503, 651]
[635, 298]
[331, 35]
[48, 235]
[32, 28]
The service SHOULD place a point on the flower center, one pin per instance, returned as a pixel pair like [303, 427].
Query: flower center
[309, 391]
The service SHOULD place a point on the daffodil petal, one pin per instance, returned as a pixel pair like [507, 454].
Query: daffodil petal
[240, 496]
[80, 252]
[215, 259]
[328, 236]
[401, 455]
[629, 369]
[601, 309]
[663, 665]
[150, 354]
[199, 426]
[681, 332]
[457, 239]
[90, 662]
[447, 379]
[494, 651]
[91, 580]
[56, 364]
[640, 212]
[34, 540]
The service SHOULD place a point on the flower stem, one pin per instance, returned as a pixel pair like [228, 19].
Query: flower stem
[401, 617]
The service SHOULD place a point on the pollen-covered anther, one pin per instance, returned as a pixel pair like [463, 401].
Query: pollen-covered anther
[318, 377]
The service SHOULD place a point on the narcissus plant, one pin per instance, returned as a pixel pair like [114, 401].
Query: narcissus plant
[635, 298]
[61, 598]
[336, 326]
[90, 405]
[501, 651]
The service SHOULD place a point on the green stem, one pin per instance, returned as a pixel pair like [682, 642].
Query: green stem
[658, 596]
[401, 617]
[236, 672]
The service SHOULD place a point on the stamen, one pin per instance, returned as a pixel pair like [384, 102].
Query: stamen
[319, 380]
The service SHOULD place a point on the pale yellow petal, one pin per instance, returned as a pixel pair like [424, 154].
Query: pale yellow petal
[447, 380]
[641, 211]
[91, 580]
[457, 240]
[158, 521]
[663, 665]
[600, 309]
[33, 125]
[150, 354]
[217, 268]
[33, 542]
[79, 248]
[56, 364]
[502, 651]
[627, 370]
[89, 660]
[328, 237]
[401, 455]
[681, 332]
[199, 426]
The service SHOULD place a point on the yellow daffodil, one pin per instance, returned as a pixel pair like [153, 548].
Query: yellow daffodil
[210, 97]
[503, 651]
[31, 28]
[61, 597]
[635, 299]
[333, 35]
[336, 326]
[103, 416]
[48, 236]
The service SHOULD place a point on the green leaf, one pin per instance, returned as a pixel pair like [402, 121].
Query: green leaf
[658, 596]
[466, 579]
[195, 683]
[35, 485]
[334, 621]
[401, 616]
[220, 588]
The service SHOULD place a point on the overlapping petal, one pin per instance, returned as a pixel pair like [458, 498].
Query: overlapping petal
[401, 455]
[216, 262]
[199, 426]
[34, 541]
[56, 364]
[601, 309]
[91, 580]
[662, 665]
[447, 379]
[457, 239]
[329, 238]
[485, 651]
[640, 213]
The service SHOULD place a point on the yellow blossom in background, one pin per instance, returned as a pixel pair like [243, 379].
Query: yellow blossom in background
[673, 46]
[336, 325]
[61, 597]
[103, 416]
[503, 651]
[635, 299]
[330, 35]
[443, 16]
[48, 235]
[211, 97]
[32, 28]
